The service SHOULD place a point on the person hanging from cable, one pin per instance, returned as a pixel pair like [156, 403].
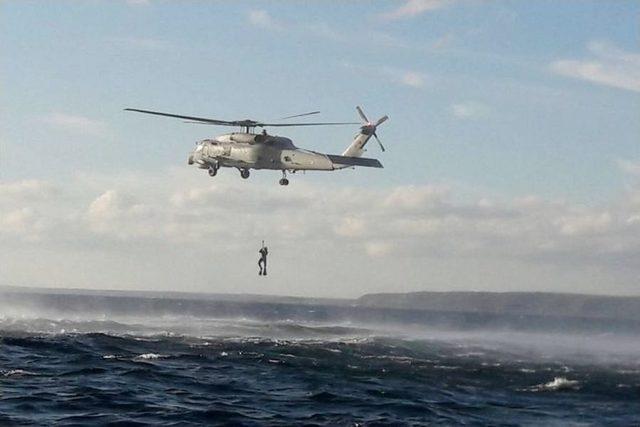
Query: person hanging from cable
[262, 262]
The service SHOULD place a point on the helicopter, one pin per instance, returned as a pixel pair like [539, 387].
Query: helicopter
[247, 149]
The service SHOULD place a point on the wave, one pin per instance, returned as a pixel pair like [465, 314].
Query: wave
[168, 379]
[288, 365]
[558, 384]
[17, 373]
[150, 356]
[148, 328]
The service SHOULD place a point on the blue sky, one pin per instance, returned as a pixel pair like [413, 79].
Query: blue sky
[498, 100]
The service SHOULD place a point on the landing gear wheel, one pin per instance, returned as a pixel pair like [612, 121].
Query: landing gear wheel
[213, 171]
[284, 180]
[244, 173]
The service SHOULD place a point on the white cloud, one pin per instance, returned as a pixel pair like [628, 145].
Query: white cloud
[17, 221]
[413, 79]
[415, 197]
[351, 227]
[469, 110]
[108, 205]
[410, 78]
[633, 219]
[112, 212]
[629, 167]
[528, 201]
[609, 66]
[11, 192]
[362, 37]
[585, 224]
[378, 249]
[412, 8]
[76, 124]
[485, 203]
[184, 226]
[262, 19]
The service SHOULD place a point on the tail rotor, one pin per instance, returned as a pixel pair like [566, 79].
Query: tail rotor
[369, 128]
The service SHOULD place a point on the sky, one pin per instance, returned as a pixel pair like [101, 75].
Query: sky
[512, 162]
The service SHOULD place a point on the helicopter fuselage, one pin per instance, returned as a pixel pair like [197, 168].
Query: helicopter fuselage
[257, 151]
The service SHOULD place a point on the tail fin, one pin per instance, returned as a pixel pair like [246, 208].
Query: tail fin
[341, 162]
[367, 130]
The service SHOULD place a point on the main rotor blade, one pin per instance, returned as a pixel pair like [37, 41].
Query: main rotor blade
[380, 143]
[300, 115]
[306, 124]
[242, 123]
[197, 123]
[197, 119]
[258, 124]
[362, 114]
[381, 120]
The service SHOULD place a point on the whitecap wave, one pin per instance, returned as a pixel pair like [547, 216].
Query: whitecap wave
[150, 356]
[446, 367]
[18, 373]
[558, 384]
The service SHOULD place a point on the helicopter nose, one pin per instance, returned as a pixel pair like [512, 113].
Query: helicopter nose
[190, 159]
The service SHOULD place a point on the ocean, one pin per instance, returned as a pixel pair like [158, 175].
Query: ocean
[124, 361]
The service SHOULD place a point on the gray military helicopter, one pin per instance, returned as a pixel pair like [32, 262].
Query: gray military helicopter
[247, 150]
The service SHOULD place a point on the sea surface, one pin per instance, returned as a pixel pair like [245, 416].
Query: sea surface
[181, 370]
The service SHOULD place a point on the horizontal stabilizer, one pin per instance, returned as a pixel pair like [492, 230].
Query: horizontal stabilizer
[354, 161]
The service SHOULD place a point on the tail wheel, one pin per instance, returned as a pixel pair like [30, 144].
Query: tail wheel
[244, 173]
